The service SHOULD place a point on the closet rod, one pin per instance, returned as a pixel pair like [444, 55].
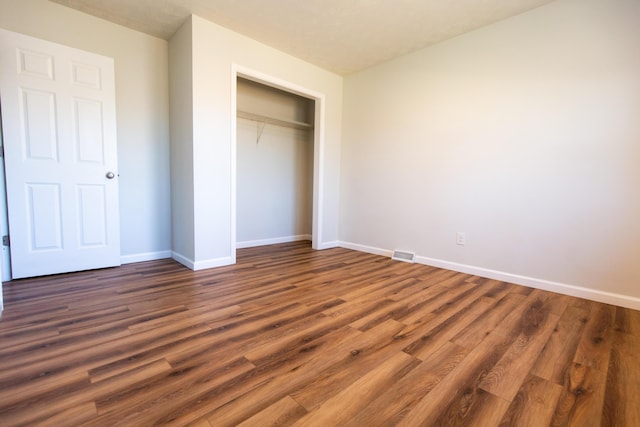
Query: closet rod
[264, 119]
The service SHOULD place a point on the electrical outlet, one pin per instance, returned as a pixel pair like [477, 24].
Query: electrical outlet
[461, 238]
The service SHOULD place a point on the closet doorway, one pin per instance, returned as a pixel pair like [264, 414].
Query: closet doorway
[277, 164]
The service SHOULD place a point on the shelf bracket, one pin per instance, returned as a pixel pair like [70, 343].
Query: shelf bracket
[259, 130]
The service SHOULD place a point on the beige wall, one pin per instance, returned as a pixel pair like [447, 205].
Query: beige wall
[524, 134]
[181, 118]
[142, 113]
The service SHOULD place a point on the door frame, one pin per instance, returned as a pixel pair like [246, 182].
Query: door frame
[5, 253]
[318, 146]
[5, 260]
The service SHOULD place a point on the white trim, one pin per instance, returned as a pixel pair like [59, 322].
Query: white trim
[146, 256]
[318, 171]
[364, 248]
[328, 245]
[234, 160]
[532, 282]
[213, 263]
[202, 265]
[318, 145]
[272, 241]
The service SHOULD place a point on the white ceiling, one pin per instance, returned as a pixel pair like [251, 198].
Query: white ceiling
[342, 36]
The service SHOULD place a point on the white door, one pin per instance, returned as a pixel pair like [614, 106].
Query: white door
[58, 119]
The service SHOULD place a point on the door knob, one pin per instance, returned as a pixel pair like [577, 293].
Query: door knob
[110, 175]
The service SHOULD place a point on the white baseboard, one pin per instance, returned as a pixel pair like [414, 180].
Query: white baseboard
[532, 282]
[272, 241]
[146, 256]
[328, 245]
[202, 265]
[214, 262]
[367, 249]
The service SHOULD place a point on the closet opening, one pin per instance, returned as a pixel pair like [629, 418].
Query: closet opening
[277, 163]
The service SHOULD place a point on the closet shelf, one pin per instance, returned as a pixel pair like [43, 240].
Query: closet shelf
[270, 120]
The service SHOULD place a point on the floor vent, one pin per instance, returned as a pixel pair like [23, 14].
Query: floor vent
[404, 256]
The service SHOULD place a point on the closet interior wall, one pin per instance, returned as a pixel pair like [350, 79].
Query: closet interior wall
[274, 143]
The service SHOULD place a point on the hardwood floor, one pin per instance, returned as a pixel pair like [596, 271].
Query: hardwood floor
[291, 336]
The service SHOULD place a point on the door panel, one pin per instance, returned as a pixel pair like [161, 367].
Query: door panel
[45, 226]
[86, 75]
[39, 125]
[88, 135]
[93, 216]
[58, 117]
[35, 64]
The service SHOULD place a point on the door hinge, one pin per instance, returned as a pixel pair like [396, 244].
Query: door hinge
[5, 241]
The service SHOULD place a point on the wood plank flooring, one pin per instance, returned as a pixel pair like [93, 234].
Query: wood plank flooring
[292, 336]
